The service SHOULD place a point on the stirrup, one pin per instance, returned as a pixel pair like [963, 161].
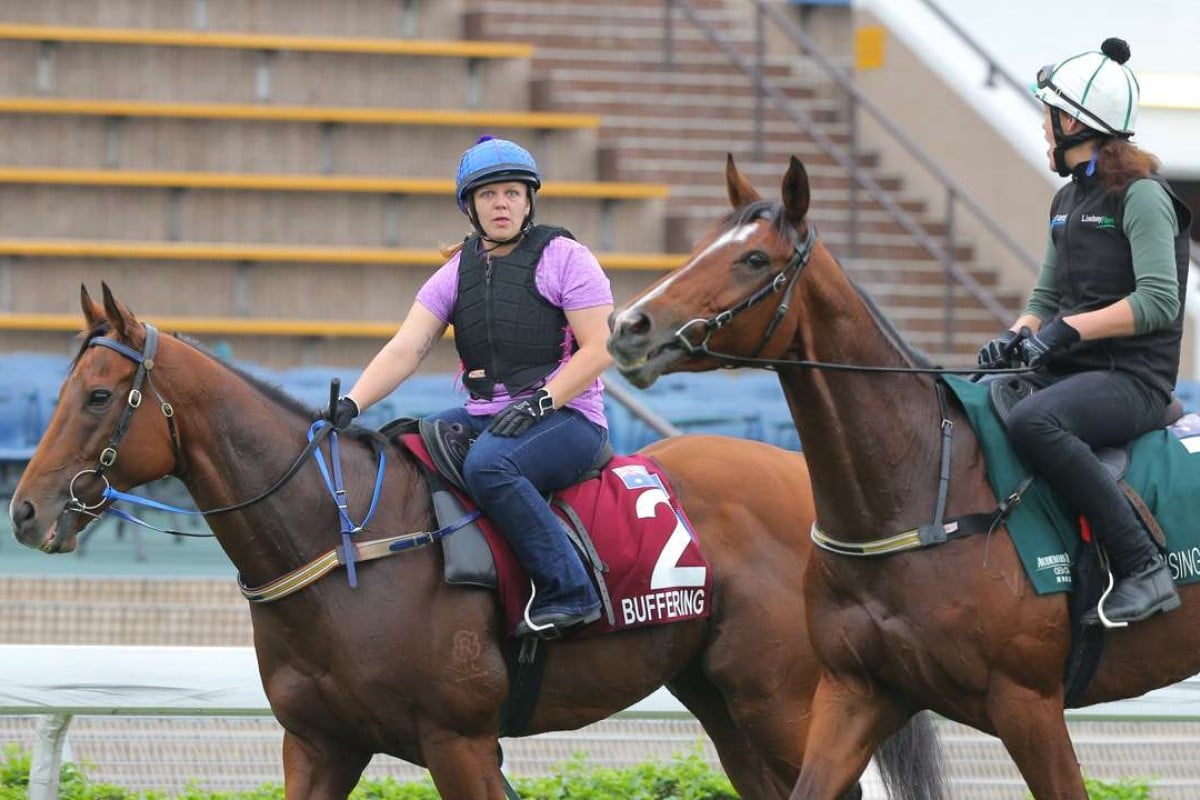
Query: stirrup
[1104, 620]
[534, 628]
[551, 630]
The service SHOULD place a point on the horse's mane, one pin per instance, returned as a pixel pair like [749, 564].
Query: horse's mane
[916, 356]
[773, 213]
[277, 395]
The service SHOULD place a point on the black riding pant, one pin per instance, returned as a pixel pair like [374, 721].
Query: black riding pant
[1054, 431]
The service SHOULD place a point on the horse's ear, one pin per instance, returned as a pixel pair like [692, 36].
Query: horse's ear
[120, 318]
[741, 193]
[93, 314]
[795, 192]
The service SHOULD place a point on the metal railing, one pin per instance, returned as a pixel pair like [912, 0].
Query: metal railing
[995, 71]
[848, 158]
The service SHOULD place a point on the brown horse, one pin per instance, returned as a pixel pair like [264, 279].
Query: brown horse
[957, 629]
[406, 664]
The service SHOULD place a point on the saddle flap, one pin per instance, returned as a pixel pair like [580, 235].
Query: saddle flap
[468, 558]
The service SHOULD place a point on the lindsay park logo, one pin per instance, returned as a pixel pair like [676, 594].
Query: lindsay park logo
[1101, 222]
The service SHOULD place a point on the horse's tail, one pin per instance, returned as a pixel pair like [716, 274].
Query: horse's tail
[910, 762]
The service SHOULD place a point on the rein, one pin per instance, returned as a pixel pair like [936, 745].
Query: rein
[931, 533]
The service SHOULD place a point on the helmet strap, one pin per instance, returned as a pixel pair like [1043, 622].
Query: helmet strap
[1063, 142]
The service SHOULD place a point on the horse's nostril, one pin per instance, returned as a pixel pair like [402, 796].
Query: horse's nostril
[23, 512]
[635, 324]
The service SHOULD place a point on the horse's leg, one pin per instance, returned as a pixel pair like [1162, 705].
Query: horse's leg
[465, 768]
[1034, 732]
[319, 770]
[760, 752]
[746, 767]
[850, 720]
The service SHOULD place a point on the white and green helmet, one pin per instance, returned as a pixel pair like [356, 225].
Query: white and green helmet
[1095, 88]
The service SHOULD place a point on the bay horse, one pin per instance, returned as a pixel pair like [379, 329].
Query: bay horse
[406, 664]
[958, 628]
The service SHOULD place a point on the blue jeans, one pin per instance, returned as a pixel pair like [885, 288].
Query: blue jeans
[508, 477]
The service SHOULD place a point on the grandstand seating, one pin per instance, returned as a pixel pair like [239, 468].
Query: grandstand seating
[298, 129]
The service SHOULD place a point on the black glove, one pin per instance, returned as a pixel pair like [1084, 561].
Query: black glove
[344, 413]
[999, 352]
[520, 415]
[1052, 338]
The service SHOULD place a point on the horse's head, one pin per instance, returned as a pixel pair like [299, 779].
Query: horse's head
[726, 297]
[96, 436]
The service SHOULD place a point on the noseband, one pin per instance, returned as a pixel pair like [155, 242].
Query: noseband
[133, 401]
[784, 280]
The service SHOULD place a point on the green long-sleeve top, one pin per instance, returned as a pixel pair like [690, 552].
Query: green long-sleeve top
[1150, 226]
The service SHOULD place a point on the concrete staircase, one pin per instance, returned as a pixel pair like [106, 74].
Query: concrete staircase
[675, 127]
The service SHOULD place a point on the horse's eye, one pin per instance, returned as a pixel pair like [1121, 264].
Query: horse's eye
[98, 398]
[757, 259]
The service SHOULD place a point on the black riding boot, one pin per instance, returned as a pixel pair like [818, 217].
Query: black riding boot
[1143, 579]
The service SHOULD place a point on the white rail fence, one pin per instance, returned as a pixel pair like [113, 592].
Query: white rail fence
[59, 682]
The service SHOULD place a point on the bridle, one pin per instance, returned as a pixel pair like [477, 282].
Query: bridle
[133, 401]
[785, 280]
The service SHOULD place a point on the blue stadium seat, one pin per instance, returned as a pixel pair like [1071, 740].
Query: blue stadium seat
[1188, 393]
[29, 386]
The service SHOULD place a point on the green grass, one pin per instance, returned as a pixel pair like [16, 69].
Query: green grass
[685, 777]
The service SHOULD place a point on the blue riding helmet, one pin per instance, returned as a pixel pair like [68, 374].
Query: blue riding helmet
[492, 160]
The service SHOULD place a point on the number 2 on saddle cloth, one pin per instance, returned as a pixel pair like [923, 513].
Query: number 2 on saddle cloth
[639, 545]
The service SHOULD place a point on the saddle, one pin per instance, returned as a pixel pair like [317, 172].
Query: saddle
[1010, 390]
[466, 555]
[448, 445]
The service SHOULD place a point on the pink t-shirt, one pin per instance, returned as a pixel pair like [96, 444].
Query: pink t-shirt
[569, 277]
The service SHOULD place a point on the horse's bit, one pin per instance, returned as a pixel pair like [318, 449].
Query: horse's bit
[785, 279]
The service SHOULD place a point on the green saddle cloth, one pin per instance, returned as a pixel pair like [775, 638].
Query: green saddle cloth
[1164, 469]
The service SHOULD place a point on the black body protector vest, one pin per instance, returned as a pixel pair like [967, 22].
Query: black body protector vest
[1095, 269]
[504, 330]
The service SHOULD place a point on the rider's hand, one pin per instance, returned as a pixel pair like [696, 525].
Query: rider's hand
[998, 352]
[1052, 338]
[344, 413]
[520, 415]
